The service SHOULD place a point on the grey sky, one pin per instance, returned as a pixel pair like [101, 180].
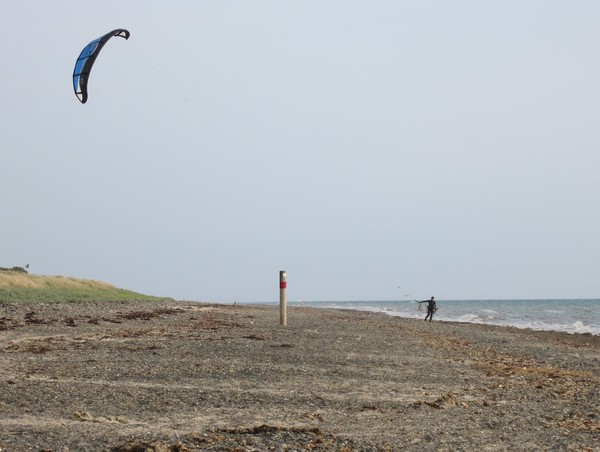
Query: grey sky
[371, 149]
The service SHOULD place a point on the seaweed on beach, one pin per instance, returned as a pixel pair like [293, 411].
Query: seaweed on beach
[250, 438]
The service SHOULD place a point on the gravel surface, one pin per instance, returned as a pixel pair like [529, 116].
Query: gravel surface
[182, 376]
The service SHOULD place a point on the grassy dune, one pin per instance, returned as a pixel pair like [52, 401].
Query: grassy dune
[18, 286]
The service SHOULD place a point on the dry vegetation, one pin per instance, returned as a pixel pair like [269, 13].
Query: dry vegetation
[18, 286]
[16, 279]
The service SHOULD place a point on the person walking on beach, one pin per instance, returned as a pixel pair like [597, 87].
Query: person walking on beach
[431, 308]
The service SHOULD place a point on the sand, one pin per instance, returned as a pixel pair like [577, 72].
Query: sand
[181, 376]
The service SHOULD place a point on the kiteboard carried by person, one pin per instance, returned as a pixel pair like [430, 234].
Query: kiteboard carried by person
[431, 308]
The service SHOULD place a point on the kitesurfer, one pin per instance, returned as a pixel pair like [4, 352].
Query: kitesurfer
[431, 308]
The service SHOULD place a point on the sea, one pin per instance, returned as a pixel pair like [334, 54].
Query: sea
[569, 316]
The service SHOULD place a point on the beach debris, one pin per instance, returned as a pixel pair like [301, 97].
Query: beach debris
[84, 416]
[149, 315]
[31, 319]
[581, 424]
[256, 337]
[154, 446]
[4, 323]
[234, 439]
[315, 416]
[448, 399]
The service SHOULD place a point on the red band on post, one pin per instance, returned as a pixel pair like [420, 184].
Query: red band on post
[282, 285]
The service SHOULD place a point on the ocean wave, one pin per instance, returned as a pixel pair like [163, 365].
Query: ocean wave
[470, 318]
[577, 327]
[568, 316]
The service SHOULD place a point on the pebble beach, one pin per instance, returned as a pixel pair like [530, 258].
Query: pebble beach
[184, 376]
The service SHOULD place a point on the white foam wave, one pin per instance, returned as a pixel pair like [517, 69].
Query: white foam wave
[514, 314]
[470, 318]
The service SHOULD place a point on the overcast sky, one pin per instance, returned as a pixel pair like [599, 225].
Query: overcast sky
[372, 149]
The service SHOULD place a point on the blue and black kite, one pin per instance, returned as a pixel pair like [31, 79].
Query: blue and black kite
[83, 65]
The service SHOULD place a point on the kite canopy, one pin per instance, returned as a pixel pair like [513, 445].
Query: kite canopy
[84, 63]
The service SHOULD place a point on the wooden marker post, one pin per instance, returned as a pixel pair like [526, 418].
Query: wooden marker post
[282, 299]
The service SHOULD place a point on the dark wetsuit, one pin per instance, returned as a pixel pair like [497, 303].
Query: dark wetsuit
[430, 308]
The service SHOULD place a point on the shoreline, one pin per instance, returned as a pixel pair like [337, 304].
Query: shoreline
[573, 326]
[400, 316]
[202, 377]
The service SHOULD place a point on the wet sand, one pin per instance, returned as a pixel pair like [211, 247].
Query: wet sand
[181, 376]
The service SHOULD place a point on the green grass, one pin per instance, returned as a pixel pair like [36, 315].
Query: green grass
[18, 287]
